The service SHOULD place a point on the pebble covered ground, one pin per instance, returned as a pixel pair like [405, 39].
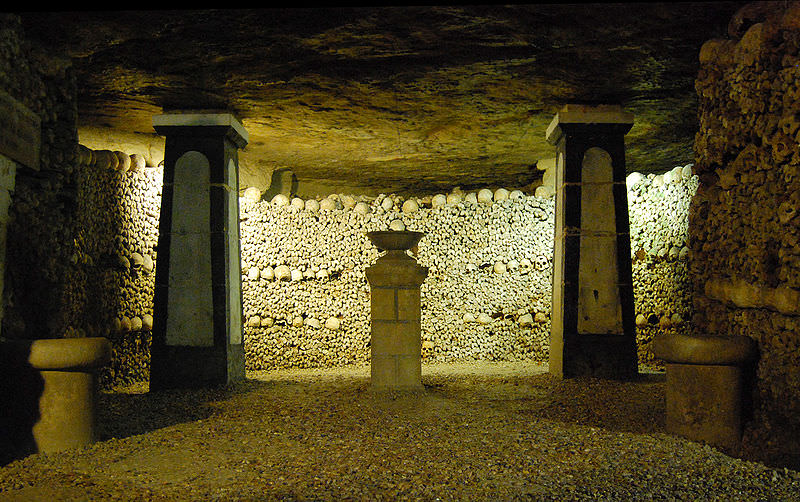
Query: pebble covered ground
[479, 431]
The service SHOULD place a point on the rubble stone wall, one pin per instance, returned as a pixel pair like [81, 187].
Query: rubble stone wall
[744, 233]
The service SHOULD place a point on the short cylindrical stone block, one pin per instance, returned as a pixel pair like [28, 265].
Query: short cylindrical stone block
[64, 390]
[67, 406]
[706, 386]
[395, 303]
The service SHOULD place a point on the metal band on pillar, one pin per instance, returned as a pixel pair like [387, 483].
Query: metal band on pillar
[197, 322]
[593, 331]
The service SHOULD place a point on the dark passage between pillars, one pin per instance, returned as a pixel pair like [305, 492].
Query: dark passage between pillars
[593, 329]
[197, 321]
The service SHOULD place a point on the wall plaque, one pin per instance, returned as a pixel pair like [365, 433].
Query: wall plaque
[20, 132]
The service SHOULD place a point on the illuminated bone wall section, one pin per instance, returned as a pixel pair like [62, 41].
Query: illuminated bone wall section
[305, 295]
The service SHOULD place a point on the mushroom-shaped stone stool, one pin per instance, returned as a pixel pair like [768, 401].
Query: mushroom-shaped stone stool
[61, 375]
[706, 385]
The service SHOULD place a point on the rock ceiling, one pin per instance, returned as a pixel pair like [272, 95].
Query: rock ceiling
[407, 99]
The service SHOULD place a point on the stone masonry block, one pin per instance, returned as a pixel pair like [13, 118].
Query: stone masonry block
[383, 303]
[408, 304]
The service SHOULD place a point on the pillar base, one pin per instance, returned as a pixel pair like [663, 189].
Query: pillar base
[195, 367]
[396, 372]
[611, 357]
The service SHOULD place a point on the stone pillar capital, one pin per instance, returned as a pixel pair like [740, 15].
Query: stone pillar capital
[571, 117]
[190, 123]
[396, 270]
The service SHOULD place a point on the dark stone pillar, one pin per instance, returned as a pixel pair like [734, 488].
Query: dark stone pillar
[197, 321]
[593, 327]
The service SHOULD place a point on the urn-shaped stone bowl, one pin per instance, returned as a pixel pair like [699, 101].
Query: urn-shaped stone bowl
[394, 240]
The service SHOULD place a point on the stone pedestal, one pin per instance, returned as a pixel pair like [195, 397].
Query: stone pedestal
[707, 386]
[197, 321]
[593, 325]
[48, 394]
[394, 281]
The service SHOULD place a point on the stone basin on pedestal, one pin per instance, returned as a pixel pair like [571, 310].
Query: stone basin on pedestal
[394, 281]
[392, 240]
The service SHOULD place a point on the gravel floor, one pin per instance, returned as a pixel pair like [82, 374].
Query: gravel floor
[483, 431]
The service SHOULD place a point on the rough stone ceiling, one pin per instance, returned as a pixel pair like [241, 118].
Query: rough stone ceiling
[408, 99]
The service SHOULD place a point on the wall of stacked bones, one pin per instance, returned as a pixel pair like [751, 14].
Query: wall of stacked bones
[44, 210]
[745, 237]
[305, 293]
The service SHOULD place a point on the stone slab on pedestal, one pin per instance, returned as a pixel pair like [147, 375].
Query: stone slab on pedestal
[708, 381]
[48, 394]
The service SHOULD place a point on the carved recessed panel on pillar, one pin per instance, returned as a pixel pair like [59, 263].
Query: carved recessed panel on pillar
[190, 304]
[598, 298]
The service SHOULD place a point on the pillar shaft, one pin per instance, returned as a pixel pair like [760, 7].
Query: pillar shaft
[395, 361]
[197, 322]
[593, 330]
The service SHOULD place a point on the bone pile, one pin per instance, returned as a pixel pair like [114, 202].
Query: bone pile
[658, 208]
[489, 254]
[305, 295]
[119, 198]
[746, 242]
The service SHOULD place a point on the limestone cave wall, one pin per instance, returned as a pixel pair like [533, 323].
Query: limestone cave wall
[744, 234]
